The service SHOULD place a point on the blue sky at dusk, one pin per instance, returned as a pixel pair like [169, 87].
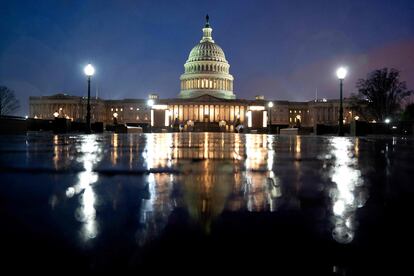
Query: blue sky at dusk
[284, 50]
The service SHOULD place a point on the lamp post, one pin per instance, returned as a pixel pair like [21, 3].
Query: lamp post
[341, 74]
[89, 71]
[270, 105]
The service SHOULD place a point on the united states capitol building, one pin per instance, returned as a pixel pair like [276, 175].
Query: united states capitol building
[206, 99]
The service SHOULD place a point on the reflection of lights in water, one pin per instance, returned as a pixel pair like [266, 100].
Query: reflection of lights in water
[86, 213]
[298, 145]
[270, 152]
[114, 151]
[56, 155]
[206, 145]
[347, 179]
[261, 189]
[158, 150]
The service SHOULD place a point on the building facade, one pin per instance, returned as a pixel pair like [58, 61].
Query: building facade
[206, 98]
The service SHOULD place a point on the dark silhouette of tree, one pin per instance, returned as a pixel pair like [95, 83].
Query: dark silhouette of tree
[8, 101]
[408, 114]
[380, 95]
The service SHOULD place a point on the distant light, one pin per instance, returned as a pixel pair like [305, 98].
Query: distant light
[356, 118]
[324, 100]
[160, 106]
[26, 116]
[89, 70]
[115, 115]
[341, 73]
[387, 120]
[394, 127]
[270, 104]
[373, 121]
[150, 102]
[56, 114]
[256, 107]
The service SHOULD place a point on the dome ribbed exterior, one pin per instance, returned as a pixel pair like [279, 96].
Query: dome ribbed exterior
[206, 70]
[207, 51]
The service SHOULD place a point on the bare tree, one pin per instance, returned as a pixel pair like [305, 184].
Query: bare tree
[380, 95]
[8, 101]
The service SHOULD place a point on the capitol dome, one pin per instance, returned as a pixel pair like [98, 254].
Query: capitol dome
[206, 70]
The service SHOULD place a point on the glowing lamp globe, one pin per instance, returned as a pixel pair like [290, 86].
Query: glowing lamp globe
[270, 104]
[341, 73]
[89, 70]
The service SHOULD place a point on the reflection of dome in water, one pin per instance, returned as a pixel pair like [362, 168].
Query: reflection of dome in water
[207, 70]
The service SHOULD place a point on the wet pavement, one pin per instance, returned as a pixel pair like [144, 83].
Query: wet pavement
[197, 202]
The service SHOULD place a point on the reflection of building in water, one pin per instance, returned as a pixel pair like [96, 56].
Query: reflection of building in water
[208, 188]
[206, 101]
[348, 195]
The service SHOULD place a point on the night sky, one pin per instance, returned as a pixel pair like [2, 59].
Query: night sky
[285, 50]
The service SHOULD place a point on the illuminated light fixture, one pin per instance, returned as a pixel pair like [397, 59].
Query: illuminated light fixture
[256, 107]
[387, 120]
[341, 73]
[89, 70]
[150, 102]
[60, 109]
[35, 117]
[394, 127]
[373, 121]
[26, 116]
[160, 106]
[264, 118]
[356, 118]
[131, 108]
[115, 115]
[270, 104]
[56, 114]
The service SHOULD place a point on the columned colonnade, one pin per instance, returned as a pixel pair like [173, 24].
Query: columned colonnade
[207, 112]
[207, 83]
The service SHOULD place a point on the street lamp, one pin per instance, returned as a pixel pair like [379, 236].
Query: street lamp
[89, 71]
[341, 74]
[270, 105]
